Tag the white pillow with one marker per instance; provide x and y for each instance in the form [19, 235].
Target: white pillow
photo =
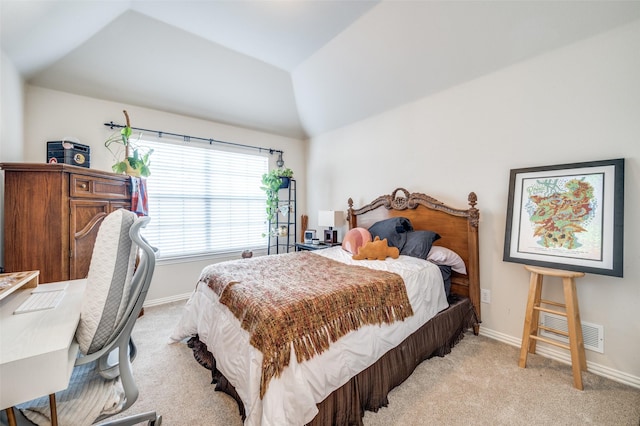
[444, 256]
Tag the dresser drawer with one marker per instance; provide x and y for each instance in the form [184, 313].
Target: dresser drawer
[83, 186]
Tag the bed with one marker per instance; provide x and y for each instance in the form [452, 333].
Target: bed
[331, 378]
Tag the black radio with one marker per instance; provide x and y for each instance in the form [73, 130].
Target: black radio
[67, 152]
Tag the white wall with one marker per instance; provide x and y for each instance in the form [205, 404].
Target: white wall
[578, 103]
[11, 125]
[11, 110]
[52, 115]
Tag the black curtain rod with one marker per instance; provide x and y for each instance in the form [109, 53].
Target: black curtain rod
[188, 138]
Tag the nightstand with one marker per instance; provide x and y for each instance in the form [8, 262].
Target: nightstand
[310, 247]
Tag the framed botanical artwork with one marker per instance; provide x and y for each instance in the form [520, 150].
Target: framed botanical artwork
[567, 216]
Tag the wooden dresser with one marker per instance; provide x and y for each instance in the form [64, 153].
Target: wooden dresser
[52, 213]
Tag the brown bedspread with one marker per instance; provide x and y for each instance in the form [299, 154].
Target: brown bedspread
[303, 299]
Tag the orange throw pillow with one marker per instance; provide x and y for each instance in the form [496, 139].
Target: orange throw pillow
[376, 250]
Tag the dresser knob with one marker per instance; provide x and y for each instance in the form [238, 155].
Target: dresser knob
[83, 185]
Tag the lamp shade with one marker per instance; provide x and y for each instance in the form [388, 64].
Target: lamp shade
[330, 218]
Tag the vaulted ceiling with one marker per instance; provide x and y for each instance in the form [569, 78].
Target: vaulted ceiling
[296, 68]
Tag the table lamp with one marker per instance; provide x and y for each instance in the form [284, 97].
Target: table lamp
[330, 218]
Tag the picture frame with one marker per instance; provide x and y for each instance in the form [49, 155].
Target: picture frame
[567, 216]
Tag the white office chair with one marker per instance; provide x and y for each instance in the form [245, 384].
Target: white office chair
[112, 303]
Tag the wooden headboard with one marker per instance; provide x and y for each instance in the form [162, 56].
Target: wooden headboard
[458, 230]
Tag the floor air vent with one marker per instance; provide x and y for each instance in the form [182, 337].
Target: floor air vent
[592, 334]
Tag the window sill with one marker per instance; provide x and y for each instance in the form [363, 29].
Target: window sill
[212, 257]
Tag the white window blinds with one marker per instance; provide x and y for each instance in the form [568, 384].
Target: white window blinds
[204, 201]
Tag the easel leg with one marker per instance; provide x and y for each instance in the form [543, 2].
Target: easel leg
[531, 319]
[576, 342]
[535, 315]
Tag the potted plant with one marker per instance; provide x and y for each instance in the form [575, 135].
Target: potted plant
[136, 159]
[272, 182]
[285, 177]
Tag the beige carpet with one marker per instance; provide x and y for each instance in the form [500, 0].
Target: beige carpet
[479, 383]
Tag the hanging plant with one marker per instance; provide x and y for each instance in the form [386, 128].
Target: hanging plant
[136, 159]
[271, 184]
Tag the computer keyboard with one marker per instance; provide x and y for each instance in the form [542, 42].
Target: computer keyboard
[38, 301]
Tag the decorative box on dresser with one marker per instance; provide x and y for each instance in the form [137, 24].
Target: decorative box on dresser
[52, 213]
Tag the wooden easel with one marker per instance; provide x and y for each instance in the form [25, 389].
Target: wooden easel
[571, 312]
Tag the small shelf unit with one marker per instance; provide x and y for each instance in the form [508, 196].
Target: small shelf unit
[283, 230]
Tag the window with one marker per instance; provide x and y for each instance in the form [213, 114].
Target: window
[204, 200]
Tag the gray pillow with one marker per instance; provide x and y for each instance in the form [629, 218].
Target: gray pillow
[393, 229]
[419, 243]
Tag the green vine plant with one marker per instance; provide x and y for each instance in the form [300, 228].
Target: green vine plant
[136, 159]
[271, 184]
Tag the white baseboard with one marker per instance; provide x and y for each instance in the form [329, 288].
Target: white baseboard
[565, 357]
[162, 301]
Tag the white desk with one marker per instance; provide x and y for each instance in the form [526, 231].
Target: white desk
[37, 350]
